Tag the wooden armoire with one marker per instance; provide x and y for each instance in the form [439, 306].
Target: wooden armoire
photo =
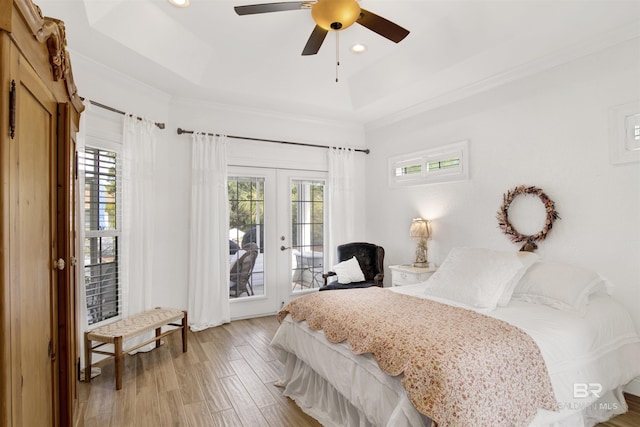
[39, 117]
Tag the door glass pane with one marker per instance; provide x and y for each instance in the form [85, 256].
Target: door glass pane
[307, 234]
[246, 236]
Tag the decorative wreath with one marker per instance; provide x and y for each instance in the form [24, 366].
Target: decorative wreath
[508, 229]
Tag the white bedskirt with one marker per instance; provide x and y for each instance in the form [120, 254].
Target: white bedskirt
[339, 388]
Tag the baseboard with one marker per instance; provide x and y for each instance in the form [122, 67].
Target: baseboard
[633, 387]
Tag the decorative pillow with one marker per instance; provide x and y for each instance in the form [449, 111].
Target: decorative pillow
[527, 259]
[349, 271]
[561, 286]
[474, 277]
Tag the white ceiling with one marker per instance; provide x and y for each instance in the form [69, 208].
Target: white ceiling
[208, 52]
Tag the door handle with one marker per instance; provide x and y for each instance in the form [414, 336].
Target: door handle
[283, 248]
[59, 264]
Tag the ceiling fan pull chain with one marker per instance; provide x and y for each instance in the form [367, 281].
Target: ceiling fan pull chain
[337, 53]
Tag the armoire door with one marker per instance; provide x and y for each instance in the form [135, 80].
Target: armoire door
[32, 236]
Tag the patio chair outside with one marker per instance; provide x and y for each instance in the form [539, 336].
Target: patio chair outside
[240, 273]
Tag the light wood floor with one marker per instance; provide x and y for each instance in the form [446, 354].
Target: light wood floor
[227, 378]
[630, 419]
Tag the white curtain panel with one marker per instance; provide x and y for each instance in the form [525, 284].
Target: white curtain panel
[138, 154]
[340, 199]
[209, 246]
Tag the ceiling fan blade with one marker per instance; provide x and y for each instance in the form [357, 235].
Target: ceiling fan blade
[382, 26]
[269, 7]
[315, 41]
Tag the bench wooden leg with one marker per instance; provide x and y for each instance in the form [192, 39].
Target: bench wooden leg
[158, 333]
[185, 326]
[87, 358]
[117, 344]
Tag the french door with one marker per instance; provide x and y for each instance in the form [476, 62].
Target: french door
[276, 237]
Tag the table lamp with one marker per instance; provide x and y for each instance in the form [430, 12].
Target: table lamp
[420, 231]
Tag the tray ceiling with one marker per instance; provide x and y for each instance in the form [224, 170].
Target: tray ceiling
[207, 52]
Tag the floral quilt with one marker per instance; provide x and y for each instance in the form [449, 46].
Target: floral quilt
[461, 368]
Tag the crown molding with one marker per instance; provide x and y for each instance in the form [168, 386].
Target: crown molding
[52, 33]
[269, 113]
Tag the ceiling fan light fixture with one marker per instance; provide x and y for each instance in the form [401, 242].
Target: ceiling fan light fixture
[331, 15]
[180, 3]
[335, 15]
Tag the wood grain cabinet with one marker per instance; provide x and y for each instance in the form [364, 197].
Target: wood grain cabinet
[39, 119]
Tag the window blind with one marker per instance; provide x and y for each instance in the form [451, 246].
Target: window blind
[101, 233]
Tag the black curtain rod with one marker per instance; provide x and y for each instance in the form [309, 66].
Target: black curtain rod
[106, 107]
[181, 131]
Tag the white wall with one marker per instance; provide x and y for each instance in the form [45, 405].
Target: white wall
[549, 130]
[173, 156]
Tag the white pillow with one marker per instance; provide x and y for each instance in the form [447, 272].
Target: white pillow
[527, 259]
[349, 271]
[474, 277]
[561, 286]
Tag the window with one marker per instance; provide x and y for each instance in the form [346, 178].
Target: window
[307, 231]
[246, 225]
[101, 233]
[408, 169]
[442, 164]
[624, 123]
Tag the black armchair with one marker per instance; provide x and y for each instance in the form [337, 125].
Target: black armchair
[371, 260]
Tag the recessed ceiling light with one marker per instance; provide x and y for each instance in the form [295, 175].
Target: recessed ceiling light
[358, 48]
[179, 3]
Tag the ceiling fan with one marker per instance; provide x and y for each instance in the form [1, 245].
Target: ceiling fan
[331, 15]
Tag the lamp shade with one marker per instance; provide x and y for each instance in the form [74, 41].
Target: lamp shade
[420, 229]
[335, 14]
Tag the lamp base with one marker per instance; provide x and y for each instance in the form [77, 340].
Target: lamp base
[421, 264]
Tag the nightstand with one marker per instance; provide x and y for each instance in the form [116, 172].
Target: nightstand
[406, 275]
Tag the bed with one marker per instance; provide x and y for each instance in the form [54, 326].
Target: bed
[336, 369]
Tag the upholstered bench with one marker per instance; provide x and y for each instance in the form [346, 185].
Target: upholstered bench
[115, 333]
